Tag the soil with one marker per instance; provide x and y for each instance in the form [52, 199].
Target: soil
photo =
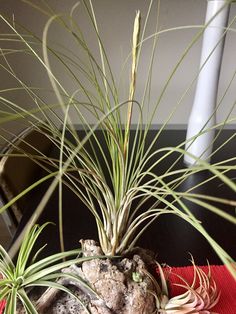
[123, 286]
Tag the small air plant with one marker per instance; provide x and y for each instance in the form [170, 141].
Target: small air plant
[200, 297]
[18, 280]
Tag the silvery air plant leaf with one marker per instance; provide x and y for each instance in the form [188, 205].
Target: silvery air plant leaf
[200, 297]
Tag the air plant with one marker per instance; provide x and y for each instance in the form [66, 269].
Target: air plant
[116, 179]
[17, 279]
[200, 297]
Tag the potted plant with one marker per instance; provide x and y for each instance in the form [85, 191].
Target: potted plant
[115, 180]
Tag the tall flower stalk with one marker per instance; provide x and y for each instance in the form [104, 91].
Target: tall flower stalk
[135, 46]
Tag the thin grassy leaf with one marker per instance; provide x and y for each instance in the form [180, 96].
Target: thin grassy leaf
[52, 259]
[11, 302]
[28, 305]
[70, 278]
[34, 276]
[62, 288]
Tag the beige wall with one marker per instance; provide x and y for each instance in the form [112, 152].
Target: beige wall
[115, 19]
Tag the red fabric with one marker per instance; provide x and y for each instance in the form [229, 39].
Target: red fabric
[2, 303]
[2, 306]
[225, 283]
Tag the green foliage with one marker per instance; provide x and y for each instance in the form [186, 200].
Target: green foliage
[20, 278]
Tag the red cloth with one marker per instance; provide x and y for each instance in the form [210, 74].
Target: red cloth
[225, 283]
[2, 306]
[2, 303]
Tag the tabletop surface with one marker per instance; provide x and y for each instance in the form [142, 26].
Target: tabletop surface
[171, 239]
